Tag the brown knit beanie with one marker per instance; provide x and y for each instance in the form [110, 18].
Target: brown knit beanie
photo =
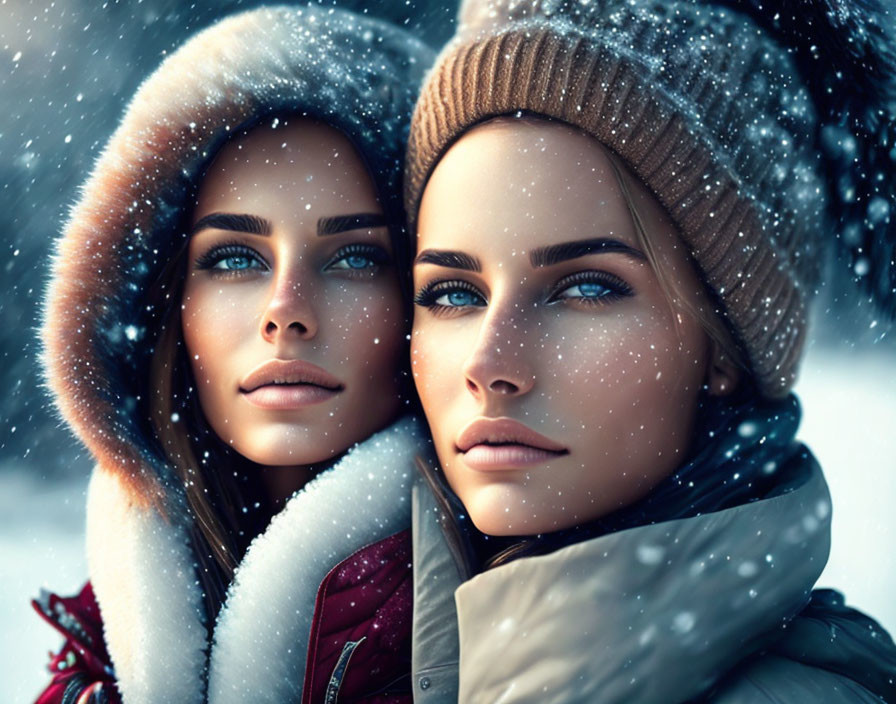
[700, 102]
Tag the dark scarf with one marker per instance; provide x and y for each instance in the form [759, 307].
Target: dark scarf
[744, 450]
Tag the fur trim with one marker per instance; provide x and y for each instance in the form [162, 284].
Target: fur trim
[152, 609]
[354, 72]
[142, 572]
[365, 499]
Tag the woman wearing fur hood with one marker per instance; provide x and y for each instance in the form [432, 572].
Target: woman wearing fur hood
[225, 331]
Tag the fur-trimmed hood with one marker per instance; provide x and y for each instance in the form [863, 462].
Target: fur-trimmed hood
[353, 72]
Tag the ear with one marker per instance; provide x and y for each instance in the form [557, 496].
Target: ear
[722, 374]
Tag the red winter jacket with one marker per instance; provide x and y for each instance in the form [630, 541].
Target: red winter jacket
[81, 670]
[359, 648]
[360, 642]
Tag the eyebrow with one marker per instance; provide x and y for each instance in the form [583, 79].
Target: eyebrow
[345, 223]
[448, 259]
[256, 225]
[556, 253]
[252, 224]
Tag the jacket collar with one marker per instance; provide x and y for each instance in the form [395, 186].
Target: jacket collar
[435, 654]
[687, 598]
[142, 570]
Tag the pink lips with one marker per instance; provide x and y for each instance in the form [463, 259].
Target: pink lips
[286, 384]
[503, 443]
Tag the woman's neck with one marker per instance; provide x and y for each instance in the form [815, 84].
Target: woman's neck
[279, 483]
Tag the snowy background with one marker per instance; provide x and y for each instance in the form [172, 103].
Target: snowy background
[67, 69]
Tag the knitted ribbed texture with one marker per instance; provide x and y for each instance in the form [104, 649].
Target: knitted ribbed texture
[707, 112]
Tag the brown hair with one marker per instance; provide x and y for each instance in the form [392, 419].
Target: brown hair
[193, 451]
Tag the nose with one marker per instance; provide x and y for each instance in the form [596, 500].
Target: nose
[500, 365]
[289, 313]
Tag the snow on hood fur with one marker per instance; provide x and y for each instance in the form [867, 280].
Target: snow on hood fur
[353, 72]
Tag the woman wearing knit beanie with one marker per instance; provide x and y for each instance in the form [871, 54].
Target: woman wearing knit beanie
[619, 210]
[225, 331]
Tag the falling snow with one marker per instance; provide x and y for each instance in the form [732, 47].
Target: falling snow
[69, 70]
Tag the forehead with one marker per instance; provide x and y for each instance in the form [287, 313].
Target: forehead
[522, 184]
[276, 170]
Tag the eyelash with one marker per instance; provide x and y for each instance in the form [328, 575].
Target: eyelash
[427, 296]
[615, 288]
[221, 252]
[377, 256]
[210, 260]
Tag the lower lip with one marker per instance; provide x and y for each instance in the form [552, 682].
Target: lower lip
[493, 457]
[287, 397]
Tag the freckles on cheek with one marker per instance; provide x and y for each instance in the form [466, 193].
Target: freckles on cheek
[596, 354]
[431, 368]
[214, 307]
[634, 351]
[213, 324]
[419, 359]
[368, 330]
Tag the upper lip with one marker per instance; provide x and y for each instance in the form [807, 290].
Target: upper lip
[503, 431]
[289, 371]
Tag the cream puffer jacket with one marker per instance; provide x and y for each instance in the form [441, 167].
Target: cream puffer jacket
[714, 608]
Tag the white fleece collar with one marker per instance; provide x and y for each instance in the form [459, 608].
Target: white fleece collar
[142, 573]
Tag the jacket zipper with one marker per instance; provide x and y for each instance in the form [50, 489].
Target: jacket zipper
[339, 671]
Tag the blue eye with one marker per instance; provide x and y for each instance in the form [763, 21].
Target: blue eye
[358, 257]
[235, 262]
[585, 290]
[449, 295]
[459, 298]
[353, 261]
[231, 259]
[591, 287]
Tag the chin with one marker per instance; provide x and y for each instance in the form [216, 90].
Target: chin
[285, 447]
[283, 458]
[504, 510]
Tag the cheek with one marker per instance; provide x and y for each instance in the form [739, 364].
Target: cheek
[365, 329]
[437, 357]
[215, 321]
[625, 373]
[646, 349]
